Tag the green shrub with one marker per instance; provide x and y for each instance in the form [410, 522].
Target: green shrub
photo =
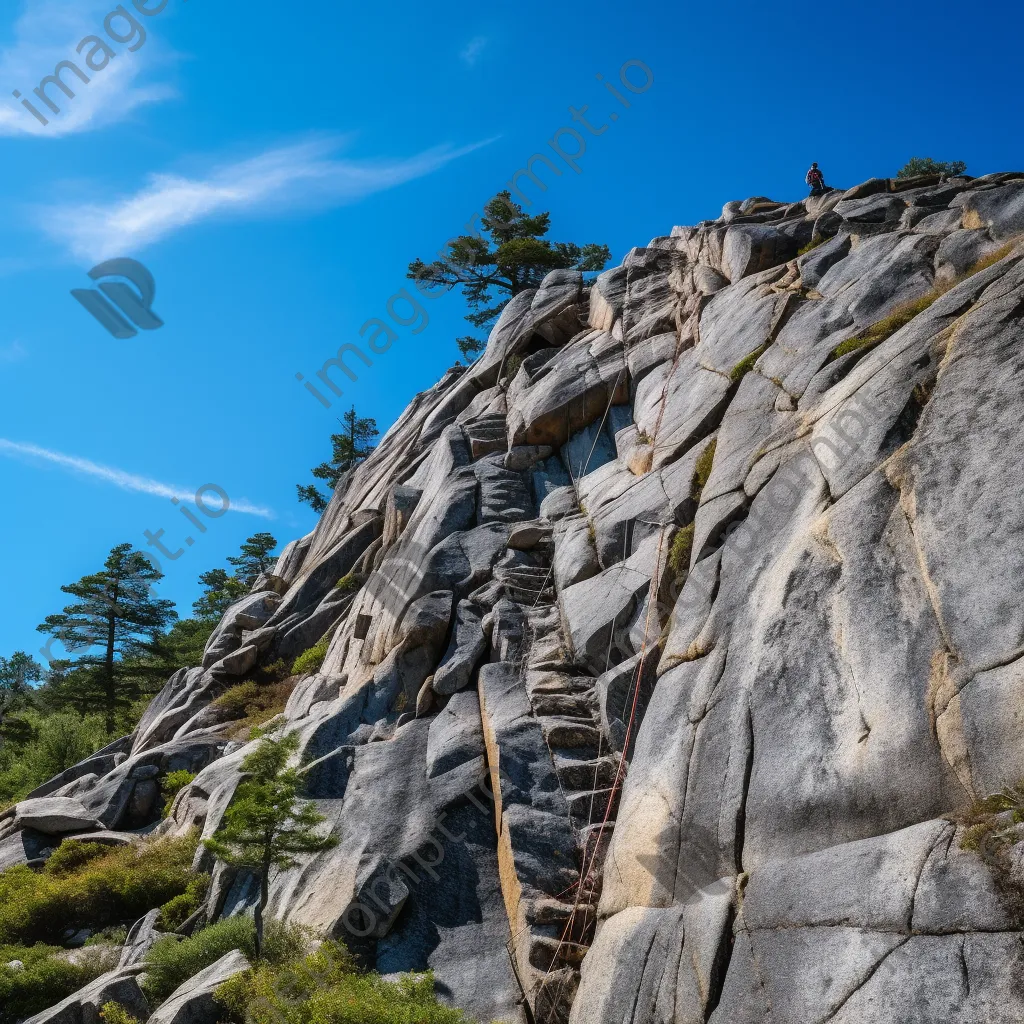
[746, 364]
[115, 887]
[812, 244]
[63, 740]
[72, 855]
[512, 366]
[178, 909]
[17, 779]
[37, 747]
[255, 705]
[326, 988]
[171, 961]
[236, 698]
[46, 978]
[115, 1013]
[887, 327]
[926, 165]
[115, 935]
[272, 673]
[349, 582]
[310, 661]
[173, 783]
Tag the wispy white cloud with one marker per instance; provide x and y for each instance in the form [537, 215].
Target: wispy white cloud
[473, 50]
[118, 477]
[12, 353]
[47, 32]
[277, 179]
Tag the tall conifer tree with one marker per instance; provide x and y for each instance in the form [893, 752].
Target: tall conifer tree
[113, 618]
[349, 448]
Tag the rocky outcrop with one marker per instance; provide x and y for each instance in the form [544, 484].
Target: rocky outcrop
[119, 986]
[679, 652]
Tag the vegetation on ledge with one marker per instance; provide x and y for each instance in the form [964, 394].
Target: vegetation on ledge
[90, 885]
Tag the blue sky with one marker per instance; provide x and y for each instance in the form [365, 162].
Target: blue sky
[276, 170]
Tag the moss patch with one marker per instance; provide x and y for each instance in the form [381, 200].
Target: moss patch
[885, 328]
[702, 470]
[746, 364]
[681, 550]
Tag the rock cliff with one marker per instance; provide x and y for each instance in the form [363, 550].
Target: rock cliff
[678, 634]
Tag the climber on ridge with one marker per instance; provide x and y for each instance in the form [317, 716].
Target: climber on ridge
[816, 180]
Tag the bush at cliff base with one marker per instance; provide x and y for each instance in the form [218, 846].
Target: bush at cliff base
[43, 975]
[89, 885]
[326, 988]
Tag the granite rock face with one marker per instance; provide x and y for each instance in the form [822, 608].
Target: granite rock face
[678, 656]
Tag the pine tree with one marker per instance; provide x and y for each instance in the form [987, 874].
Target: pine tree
[350, 447]
[255, 558]
[17, 674]
[222, 590]
[113, 613]
[267, 823]
[509, 256]
[926, 165]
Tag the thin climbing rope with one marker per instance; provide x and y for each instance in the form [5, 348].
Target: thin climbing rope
[587, 868]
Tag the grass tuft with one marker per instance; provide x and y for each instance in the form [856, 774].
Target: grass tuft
[173, 783]
[512, 366]
[992, 824]
[976, 268]
[812, 244]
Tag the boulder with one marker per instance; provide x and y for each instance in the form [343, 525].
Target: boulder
[83, 1007]
[54, 816]
[192, 1002]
